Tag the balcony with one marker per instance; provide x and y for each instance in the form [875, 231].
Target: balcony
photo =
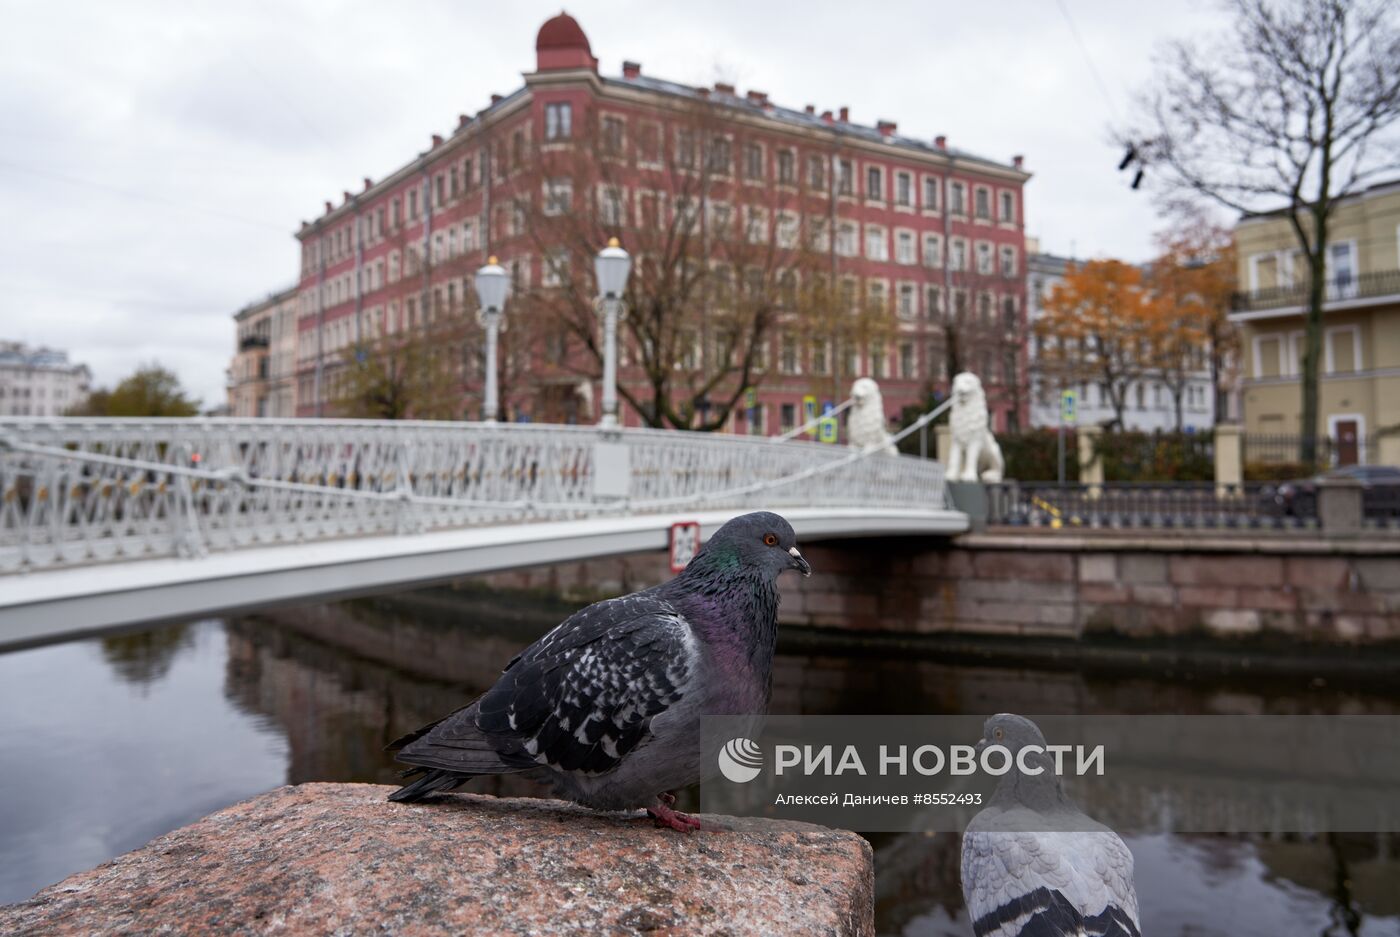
[1341, 289]
[249, 342]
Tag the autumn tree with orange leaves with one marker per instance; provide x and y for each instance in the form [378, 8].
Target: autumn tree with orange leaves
[1097, 327]
[1193, 278]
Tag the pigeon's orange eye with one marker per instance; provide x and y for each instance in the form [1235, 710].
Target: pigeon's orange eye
[771, 539]
[998, 733]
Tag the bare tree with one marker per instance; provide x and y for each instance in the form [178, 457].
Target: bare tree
[724, 256]
[1296, 106]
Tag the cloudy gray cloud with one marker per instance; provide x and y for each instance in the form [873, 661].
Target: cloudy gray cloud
[155, 158]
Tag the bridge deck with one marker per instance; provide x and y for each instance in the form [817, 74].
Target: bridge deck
[61, 603]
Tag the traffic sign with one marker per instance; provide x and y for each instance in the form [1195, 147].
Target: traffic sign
[685, 543]
[826, 429]
[750, 398]
[1069, 407]
[809, 411]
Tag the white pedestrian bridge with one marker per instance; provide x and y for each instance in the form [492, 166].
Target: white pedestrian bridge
[106, 523]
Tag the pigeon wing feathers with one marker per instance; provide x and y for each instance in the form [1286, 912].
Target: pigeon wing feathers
[584, 695]
[1022, 884]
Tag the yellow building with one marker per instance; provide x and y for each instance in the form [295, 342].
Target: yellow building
[1359, 382]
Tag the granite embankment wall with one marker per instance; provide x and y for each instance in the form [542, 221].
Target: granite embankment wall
[1061, 585]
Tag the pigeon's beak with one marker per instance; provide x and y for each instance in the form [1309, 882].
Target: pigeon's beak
[798, 563]
[981, 746]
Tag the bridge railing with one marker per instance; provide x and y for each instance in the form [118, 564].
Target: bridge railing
[77, 491]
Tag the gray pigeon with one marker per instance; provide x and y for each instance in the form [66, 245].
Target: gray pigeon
[1033, 865]
[607, 705]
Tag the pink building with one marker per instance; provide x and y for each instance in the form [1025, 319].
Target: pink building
[931, 233]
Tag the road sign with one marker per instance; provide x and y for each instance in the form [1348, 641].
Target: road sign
[826, 429]
[809, 411]
[685, 543]
[750, 398]
[1069, 407]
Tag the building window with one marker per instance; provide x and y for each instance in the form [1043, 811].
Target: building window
[904, 247]
[787, 359]
[816, 172]
[957, 255]
[718, 160]
[517, 149]
[556, 268]
[933, 250]
[612, 136]
[903, 189]
[930, 193]
[819, 363]
[756, 225]
[846, 239]
[787, 174]
[610, 205]
[933, 301]
[685, 149]
[984, 258]
[984, 204]
[845, 178]
[558, 196]
[906, 361]
[874, 183]
[876, 247]
[877, 360]
[957, 198]
[1008, 261]
[1008, 207]
[1008, 314]
[789, 416]
[649, 144]
[753, 161]
[907, 305]
[558, 121]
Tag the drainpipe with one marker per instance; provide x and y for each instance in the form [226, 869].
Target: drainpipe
[359, 271]
[427, 245]
[320, 317]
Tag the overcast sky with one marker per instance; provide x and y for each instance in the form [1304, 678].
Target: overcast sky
[156, 157]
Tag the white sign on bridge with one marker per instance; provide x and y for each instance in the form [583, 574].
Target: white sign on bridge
[685, 543]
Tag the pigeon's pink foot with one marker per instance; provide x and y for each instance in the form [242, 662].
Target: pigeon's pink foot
[664, 816]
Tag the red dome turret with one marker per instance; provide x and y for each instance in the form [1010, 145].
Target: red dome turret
[561, 43]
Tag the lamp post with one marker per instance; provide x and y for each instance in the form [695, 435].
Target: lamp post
[491, 286]
[612, 265]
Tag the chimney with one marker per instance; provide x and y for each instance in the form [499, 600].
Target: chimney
[886, 127]
[369, 183]
[631, 69]
[809, 109]
[437, 140]
[941, 142]
[1018, 160]
[462, 121]
[723, 88]
[347, 195]
[703, 92]
[758, 97]
[329, 207]
[496, 99]
[826, 116]
[845, 115]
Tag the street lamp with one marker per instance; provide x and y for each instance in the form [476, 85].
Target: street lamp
[491, 286]
[612, 266]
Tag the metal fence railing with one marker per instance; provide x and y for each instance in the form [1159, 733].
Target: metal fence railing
[1338, 289]
[1144, 505]
[1285, 449]
[1178, 505]
[76, 491]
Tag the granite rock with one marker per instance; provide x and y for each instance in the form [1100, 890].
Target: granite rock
[340, 859]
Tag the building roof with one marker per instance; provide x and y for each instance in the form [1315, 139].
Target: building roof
[561, 32]
[271, 299]
[1371, 191]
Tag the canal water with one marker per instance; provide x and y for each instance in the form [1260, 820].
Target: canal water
[106, 743]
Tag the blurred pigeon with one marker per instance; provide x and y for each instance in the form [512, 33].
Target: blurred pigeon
[1033, 865]
[608, 704]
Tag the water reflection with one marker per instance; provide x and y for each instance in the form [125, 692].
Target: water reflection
[219, 712]
[143, 657]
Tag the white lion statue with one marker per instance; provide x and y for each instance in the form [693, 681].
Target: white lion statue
[865, 427]
[974, 454]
